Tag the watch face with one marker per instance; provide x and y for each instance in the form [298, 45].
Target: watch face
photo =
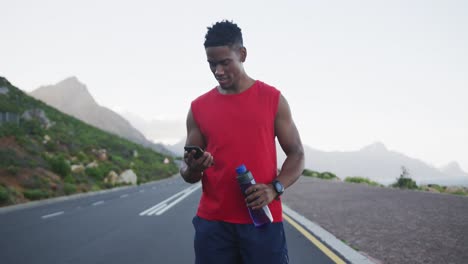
[279, 187]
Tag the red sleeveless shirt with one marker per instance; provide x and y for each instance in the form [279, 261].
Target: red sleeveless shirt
[238, 129]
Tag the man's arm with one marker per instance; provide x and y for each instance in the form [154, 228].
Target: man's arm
[290, 141]
[192, 169]
[260, 195]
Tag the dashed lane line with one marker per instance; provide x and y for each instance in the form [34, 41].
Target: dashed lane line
[52, 215]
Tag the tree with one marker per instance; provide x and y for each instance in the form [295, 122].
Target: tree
[405, 181]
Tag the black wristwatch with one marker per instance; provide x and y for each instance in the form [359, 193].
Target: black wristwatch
[279, 188]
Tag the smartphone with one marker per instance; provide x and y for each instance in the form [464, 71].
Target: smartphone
[199, 151]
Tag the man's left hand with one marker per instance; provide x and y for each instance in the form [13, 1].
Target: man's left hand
[259, 195]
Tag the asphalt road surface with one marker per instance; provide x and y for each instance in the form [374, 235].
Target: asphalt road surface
[151, 223]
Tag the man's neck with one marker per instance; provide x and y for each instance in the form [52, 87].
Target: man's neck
[243, 85]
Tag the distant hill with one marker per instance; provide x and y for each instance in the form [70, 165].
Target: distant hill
[454, 172]
[46, 153]
[161, 131]
[379, 164]
[375, 162]
[177, 148]
[72, 97]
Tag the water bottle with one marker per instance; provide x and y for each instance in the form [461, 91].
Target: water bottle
[245, 179]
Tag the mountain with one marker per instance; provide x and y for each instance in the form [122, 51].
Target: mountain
[379, 164]
[177, 148]
[455, 173]
[374, 161]
[163, 131]
[46, 153]
[72, 97]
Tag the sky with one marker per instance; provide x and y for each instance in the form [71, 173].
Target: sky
[353, 72]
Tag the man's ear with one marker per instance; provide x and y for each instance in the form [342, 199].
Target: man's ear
[243, 54]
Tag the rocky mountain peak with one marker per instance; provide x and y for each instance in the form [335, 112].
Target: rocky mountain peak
[452, 168]
[75, 89]
[375, 147]
[72, 97]
[64, 92]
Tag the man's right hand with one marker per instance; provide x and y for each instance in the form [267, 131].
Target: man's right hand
[194, 168]
[200, 164]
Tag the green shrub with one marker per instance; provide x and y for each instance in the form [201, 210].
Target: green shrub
[321, 175]
[69, 179]
[82, 157]
[311, 173]
[69, 188]
[4, 195]
[405, 183]
[8, 158]
[93, 172]
[32, 182]
[33, 127]
[327, 175]
[32, 163]
[362, 180]
[13, 195]
[51, 146]
[100, 172]
[106, 185]
[35, 194]
[438, 187]
[13, 170]
[60, 166]
[10, 129]
[120, 162]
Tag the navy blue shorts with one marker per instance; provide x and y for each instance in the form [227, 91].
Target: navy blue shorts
[226, 243]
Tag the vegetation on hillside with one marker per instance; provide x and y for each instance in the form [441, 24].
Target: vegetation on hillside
[37, 154]
[403, 182]
[321, 175]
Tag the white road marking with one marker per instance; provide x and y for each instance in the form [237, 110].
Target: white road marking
[52, 215]
[123, 195]
[163, 206]
[98, 203]
[142, 191]
[156, 208]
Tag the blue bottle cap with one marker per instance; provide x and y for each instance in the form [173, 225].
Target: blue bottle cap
[241, 169]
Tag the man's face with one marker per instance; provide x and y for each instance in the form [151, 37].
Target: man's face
[226, 65]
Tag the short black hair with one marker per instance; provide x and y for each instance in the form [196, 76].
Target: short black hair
[224, 33]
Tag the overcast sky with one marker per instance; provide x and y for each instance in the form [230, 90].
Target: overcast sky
[354, 72]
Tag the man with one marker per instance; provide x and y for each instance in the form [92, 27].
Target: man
[236, 123]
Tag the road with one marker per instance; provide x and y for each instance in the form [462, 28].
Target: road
[389, 224]
[150, 223]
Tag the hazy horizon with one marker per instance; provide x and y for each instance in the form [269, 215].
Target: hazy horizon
[391, 72]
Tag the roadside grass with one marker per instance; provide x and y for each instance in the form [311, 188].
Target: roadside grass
[321, 175]
[362, 181]
[403, 182]
[455, 190]
[350, 245]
